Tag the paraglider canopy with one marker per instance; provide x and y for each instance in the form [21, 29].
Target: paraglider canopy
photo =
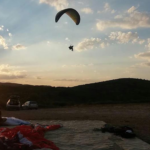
[72, 13]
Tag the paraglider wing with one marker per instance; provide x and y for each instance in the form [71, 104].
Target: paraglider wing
[72, 13]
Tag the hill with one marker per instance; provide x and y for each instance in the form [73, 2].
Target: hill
[125, 90]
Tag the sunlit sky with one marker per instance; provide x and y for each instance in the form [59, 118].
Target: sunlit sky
[112, 41]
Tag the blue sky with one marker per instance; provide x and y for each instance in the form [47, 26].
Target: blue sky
[112, 41]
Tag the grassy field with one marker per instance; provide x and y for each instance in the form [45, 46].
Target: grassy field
[133, 115]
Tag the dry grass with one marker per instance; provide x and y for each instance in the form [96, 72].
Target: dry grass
[134, 115]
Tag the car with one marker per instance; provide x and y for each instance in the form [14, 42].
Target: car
[30, 105]
[13, 103]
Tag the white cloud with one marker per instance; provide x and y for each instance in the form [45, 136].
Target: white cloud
[113, 11]
[10, 72]
[144, 55]
[87, 10]
[3, 43]
[18, 47]
[118, 16]
[92, 43]
[7, 30]
[58, 4]
[122, 37]
[67, 39]
[147, 64]
[10, 34]
[148, 43]
[88, 44]
[107, 8]
[1, 28]
[131, 20]
[131, 10]
[102, 45]
[141, 41]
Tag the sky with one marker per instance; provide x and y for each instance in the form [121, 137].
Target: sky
[112, 41]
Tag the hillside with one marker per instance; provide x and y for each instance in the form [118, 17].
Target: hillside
[127, 90]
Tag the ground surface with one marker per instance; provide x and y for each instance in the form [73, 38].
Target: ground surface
[134, 115]
[79, 135]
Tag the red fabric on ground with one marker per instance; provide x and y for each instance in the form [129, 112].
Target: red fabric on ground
[35, 135]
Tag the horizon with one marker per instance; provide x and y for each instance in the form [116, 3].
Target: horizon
[75, 85]
[111, 42]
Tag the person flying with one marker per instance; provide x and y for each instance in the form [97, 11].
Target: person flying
[71, 47]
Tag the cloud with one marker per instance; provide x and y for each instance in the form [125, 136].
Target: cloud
[18, 47]
[9, 72]
[3, 43]
[103, 44]
[148, 43]
[122, 37]
[67, 39]
[147, 64]
[131, 10]
[141, 41]
[1, 28]
[87, 10]
[88, 44]
[10, 34]
[107, 8]
[130, 20]
[119, 37]
[113, 11]
[57, 4]
[144, 55]
[72, 80]
[118, 16]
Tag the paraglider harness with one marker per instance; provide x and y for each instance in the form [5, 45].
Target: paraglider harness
[71, 47]
[123, 131]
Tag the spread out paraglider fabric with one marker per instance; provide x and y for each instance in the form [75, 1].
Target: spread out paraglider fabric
[72, 13]
[26, 137]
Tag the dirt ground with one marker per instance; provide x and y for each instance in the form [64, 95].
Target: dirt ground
[136, 116]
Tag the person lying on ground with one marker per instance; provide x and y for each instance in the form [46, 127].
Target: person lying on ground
[12, 121]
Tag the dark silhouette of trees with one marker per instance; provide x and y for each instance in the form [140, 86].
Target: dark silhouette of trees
[126, 90]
